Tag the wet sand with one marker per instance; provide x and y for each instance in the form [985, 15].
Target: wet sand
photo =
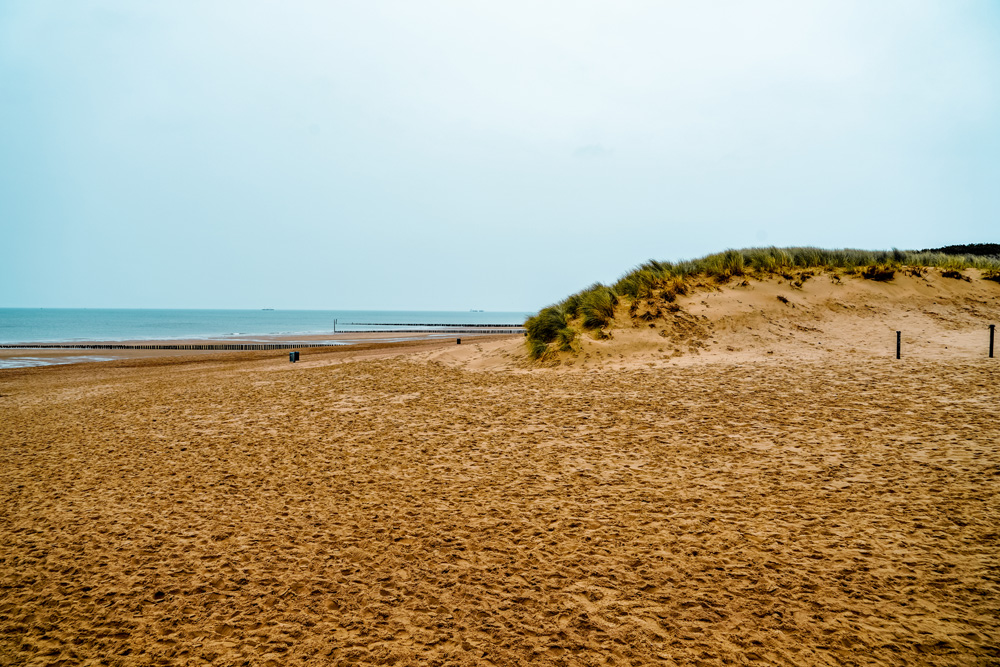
[26, 356]
[399, 506]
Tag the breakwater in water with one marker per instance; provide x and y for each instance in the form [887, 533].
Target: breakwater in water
[242, 346]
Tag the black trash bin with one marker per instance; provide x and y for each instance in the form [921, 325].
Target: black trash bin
[293, 356]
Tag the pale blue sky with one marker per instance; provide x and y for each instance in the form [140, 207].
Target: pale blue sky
[456, 155]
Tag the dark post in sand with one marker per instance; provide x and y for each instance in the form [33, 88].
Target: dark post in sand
[898, 334]
[992, 330]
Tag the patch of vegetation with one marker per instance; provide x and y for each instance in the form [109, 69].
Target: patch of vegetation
[597, 306]
[593, 308]
[565, 338]
[879, 272]
[644, 280]
[544, 328]
[957, 275]
[545, 325]
[672, 288]
[801, 280]
[537, 349]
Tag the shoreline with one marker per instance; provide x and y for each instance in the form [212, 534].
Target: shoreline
[338, 337]
[35, 355]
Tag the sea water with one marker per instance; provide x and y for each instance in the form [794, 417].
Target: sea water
[74, 325]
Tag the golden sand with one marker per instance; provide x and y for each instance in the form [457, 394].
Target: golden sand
[452, 506]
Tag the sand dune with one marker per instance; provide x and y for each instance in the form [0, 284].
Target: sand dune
[454, 505]
[823, 317]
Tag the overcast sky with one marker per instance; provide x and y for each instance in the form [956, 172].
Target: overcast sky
[456, 155]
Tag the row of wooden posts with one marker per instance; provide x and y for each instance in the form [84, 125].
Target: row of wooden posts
[899, 341]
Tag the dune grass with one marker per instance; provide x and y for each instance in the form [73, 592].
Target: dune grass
[594, 307]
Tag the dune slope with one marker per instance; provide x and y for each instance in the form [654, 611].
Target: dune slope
[753, 319]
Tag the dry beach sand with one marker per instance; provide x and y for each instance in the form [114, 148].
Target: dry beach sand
[777, 503]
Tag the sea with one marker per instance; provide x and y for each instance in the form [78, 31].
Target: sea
[75, 325]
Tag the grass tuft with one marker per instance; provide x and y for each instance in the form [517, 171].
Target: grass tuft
[545, 326]
[597, 306]
[733, 263]
[565, 337]
[673, 288]
[957, 275]
[537, 349]
[880, 272]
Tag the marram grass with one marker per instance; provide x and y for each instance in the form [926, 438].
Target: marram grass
[594, 307]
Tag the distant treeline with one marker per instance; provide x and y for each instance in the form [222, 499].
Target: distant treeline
[977, 249]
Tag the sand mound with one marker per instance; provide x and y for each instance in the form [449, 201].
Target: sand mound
[807, 315]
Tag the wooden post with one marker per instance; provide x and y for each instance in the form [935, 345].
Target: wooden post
[992, 330]
[458, 341]
[898, 334]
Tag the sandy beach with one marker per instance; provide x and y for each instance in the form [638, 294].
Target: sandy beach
[499, 334]
[453, 505]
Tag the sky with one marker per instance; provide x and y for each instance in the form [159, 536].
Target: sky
[429, 155]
